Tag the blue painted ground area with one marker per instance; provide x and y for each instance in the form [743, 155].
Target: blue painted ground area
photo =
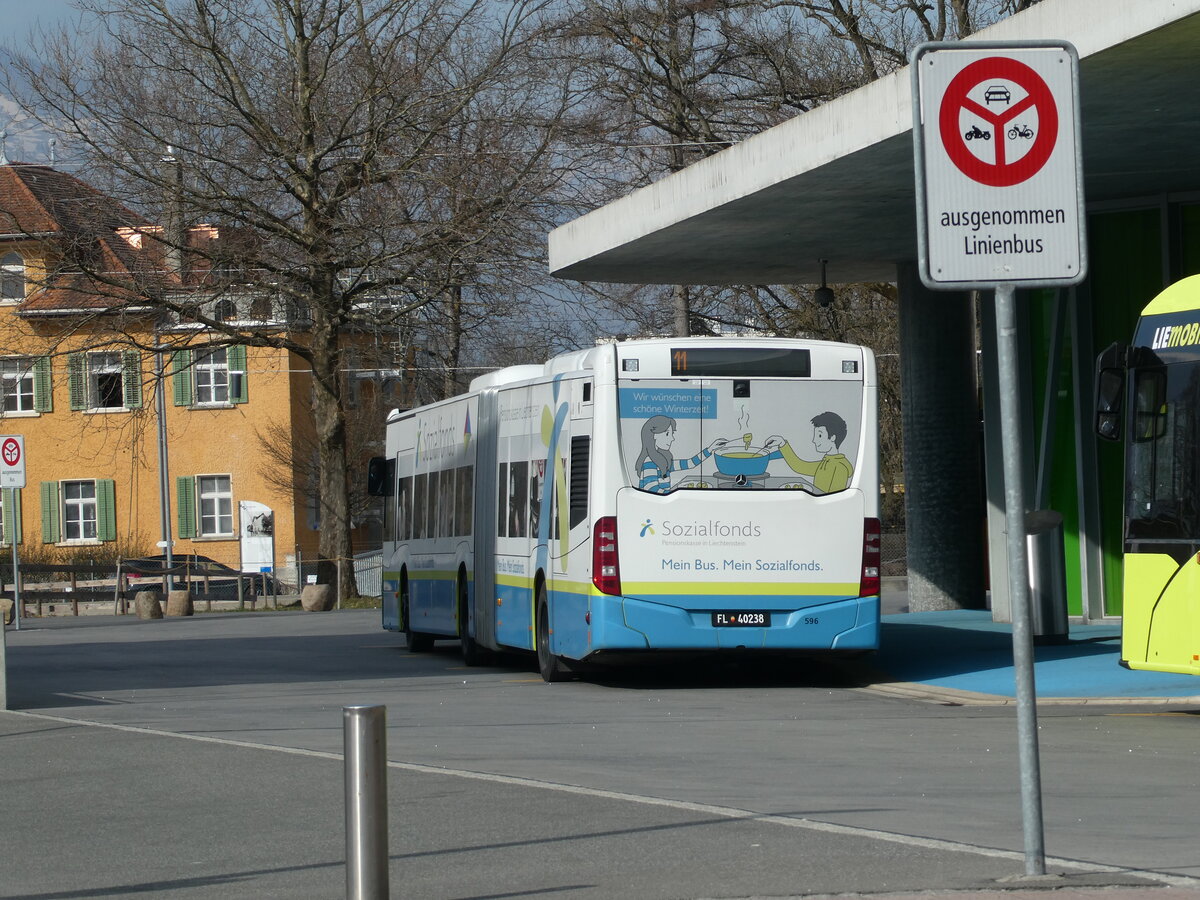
[967, 651]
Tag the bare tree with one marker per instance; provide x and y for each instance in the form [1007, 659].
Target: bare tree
[322, 137]
[677, 80]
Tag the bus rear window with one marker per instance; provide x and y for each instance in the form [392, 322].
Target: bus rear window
[737, 433]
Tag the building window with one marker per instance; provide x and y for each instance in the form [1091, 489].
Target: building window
[16, 385]
[225, 311]
[205, 506]
[216, 505]
[105, 377]
[78, 511]
[12, 277]
[105, 381]
[210, 377]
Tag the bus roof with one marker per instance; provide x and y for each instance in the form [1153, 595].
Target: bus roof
[588, 358]
[1182, 296]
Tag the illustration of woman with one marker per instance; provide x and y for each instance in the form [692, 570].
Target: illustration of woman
[655, 464]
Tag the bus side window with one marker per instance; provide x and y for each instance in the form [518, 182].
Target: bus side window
[502, 501]
[1150, 405]
[404, 516]
[466, 493]
[420, 497]
[431, 505]
[518, 498]
[446, 519]
[581, 448]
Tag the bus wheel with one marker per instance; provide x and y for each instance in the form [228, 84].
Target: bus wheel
[552, 667]
[417, 642]
[472, 653]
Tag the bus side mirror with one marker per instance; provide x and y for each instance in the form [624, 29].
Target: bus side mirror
[1110, 392]
[380, 476]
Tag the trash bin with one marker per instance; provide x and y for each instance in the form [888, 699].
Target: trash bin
[1047, 576]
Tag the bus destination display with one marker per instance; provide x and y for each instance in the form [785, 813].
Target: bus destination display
[735, 362]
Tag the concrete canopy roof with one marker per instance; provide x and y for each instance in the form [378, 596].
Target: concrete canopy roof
[837, 183]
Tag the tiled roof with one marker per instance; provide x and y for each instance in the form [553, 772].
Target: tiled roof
[41, 203]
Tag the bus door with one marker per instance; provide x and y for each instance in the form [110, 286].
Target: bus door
[518, 417]
[486, 492]
[571, 487]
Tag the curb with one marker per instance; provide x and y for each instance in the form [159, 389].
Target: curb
[911, 690]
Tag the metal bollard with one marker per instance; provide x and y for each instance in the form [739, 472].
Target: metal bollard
[364, 732]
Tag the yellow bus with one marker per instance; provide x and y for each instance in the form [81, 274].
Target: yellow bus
[1148, 394]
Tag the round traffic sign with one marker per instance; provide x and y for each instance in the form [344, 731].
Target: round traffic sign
[11, 452]
[988, 96]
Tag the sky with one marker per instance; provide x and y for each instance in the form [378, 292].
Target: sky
[22, 15]
[23, 140]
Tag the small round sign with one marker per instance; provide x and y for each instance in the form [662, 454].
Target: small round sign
[998, 121]
[11, 452]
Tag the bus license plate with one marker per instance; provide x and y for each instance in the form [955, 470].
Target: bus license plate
[741, 618]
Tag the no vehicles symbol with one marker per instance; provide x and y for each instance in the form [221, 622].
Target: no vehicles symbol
[998, 121]
[11, 451]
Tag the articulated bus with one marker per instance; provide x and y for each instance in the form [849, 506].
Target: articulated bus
[1149, 393]
[667, 494]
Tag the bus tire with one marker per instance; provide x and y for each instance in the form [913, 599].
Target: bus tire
[416, 641]
[551, 666]
[473, 654]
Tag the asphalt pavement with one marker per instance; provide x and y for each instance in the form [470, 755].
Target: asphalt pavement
[202, 758]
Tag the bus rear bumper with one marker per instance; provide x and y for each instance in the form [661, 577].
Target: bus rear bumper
[836, 623]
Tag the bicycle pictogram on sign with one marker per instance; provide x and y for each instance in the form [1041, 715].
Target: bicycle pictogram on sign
[982, 95]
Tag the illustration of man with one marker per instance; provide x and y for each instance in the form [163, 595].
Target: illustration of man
[830, 473]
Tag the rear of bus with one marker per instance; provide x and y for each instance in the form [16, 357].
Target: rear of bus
[745, 513]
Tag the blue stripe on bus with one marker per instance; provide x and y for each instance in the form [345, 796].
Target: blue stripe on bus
[584, 623]
[627, 623]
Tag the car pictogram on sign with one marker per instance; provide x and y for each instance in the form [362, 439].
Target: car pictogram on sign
[997, 92]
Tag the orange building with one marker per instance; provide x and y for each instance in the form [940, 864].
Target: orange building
[80, 381]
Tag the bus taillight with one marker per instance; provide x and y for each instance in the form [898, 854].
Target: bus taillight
[606, 571]
[868, 585]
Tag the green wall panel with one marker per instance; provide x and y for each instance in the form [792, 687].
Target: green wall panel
[1125, 250]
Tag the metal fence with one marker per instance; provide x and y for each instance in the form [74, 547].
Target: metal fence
[368, 573]
[894, 552]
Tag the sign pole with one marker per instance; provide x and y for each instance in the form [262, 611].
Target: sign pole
[1000, 205]
[17, 611]
[1018, 581]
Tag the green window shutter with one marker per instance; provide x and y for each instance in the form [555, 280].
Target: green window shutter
[185, 505]
[239, 390]
[106, 510]
[132, 375]
[43, 385]
[77, 379]
[17, 530]
[50, 530]
[181, 366]
[6, 500]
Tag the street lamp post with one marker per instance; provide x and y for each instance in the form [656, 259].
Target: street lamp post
[164, 484]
